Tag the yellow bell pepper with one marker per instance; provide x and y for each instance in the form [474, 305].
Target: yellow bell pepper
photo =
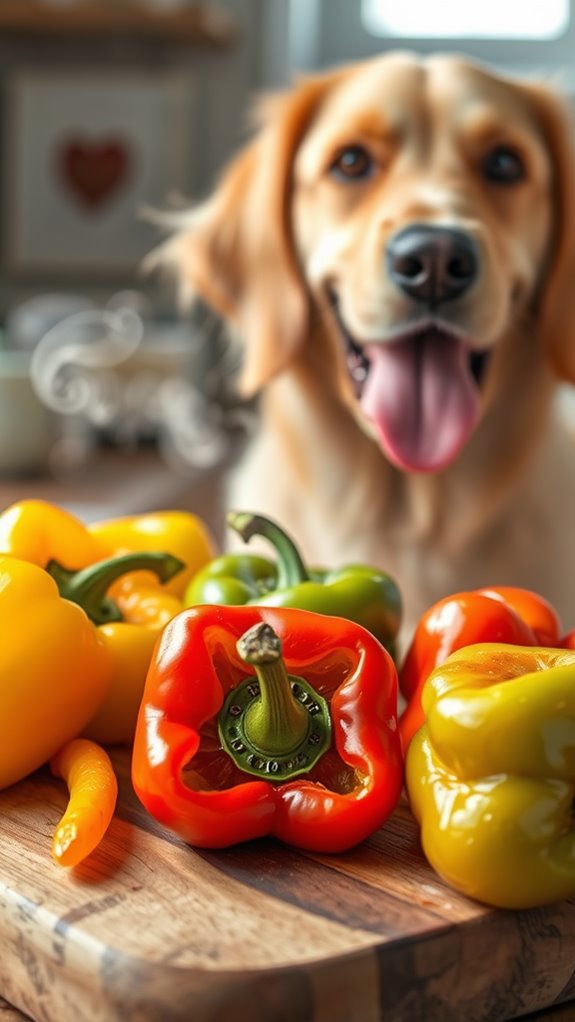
[491, 774]
[131, 643]
[181, 533]
[125, 599]
[55, 669]
[129, 625]
[37, 531]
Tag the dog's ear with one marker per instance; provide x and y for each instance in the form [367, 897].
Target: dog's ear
[557, 307]
[236, 250]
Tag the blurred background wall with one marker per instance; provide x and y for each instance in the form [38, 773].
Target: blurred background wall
[109, 107]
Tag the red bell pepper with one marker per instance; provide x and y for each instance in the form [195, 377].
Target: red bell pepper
[501, 614]
[568, 640]
[231, 747]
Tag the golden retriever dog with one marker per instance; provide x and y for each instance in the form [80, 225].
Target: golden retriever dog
[396, 251]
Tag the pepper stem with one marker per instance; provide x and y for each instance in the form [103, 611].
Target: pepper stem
[275, 723]
[291, 568]
[274, 726]
[89, 586]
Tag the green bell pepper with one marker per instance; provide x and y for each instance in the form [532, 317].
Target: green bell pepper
[356, 591]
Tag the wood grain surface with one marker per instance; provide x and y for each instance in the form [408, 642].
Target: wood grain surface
[150, 930]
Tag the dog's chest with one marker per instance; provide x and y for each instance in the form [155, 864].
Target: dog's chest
[342, 503]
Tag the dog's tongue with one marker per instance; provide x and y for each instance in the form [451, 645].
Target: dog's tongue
[422, 399]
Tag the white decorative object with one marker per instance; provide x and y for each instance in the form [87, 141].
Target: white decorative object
[86, 152]
[27, 428]
[113, 370]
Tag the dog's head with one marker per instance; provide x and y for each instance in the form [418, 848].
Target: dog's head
[419, 209]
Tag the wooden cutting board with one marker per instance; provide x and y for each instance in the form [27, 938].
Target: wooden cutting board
[149, 930]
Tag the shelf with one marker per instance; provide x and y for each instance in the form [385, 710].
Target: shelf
[202, 24]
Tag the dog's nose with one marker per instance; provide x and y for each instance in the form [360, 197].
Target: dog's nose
[432, 264]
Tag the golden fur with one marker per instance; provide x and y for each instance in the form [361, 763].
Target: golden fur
[280, 235]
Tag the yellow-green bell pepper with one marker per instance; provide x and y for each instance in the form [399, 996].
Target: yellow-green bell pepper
[491, 774]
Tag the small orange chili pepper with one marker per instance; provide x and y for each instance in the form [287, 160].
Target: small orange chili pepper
[88, 772]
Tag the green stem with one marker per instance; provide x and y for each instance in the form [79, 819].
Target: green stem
[275, 726]
[291, 568]
[89, 586]
[276, 722]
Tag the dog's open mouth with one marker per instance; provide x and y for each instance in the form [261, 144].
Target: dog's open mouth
[420, 392]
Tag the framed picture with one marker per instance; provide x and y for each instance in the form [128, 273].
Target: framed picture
[86, 151]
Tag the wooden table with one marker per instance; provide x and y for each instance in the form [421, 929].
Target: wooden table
[150, 930]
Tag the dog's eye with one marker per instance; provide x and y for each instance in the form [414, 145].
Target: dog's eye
[503, 166]
[353, 162]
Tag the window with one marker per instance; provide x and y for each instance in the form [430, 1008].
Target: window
[454, 19]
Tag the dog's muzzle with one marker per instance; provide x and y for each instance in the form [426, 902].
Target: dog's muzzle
[420, 392]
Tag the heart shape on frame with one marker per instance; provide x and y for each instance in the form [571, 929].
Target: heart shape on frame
[93, 171]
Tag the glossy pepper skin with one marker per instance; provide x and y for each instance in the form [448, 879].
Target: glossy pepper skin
[55, 669]
[38, 531]
[491, 774]
[128, 625]
[183, 773]
[56, 540]
[89, 775]
[356, 591]
[501, 614]
[180, 533]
